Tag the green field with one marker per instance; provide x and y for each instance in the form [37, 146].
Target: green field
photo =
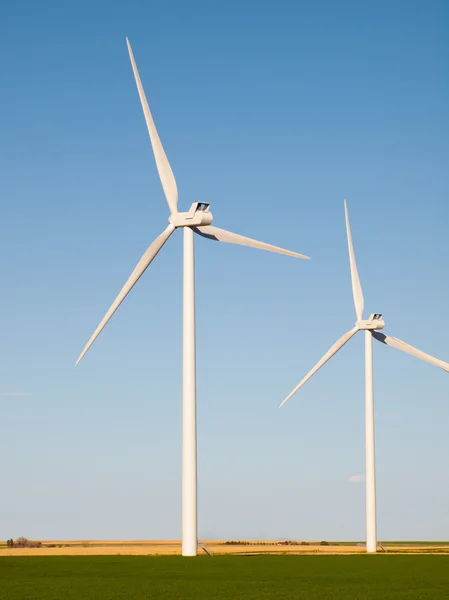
[225, 577]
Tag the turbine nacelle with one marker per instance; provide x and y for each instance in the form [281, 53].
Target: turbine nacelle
[374, 322]
[197, 216]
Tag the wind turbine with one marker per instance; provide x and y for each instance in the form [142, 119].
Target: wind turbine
[197, 220]
[371, 328]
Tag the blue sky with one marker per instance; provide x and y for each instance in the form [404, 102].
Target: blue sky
[274, 113]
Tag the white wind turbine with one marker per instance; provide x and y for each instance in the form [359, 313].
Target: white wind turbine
[371, 327]
[197, 220]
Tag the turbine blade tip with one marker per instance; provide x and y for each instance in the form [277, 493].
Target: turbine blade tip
[80, 358]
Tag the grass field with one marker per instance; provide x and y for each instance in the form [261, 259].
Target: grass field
[225, 577]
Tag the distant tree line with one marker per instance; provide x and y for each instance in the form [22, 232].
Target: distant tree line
[284, 543]
[22, 542]
[255, 543]
[246, 543]
[293, 543]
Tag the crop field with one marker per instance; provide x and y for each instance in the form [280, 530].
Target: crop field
[215, 547]
[224, 577]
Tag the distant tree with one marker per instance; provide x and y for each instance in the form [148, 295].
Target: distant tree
[22, 542]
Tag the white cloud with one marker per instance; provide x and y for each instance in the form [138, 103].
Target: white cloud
[356, 479]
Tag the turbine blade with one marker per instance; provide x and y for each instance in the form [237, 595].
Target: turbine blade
[400, 345]
[141, 267]
[356, 287]
[329, 354]
[221, 235]
[163, 166]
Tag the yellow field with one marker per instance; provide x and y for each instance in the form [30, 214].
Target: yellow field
[155, 547]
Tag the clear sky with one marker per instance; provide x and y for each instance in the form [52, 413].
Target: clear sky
[273, 112]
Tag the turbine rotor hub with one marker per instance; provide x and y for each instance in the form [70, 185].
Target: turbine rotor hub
[197, 216]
